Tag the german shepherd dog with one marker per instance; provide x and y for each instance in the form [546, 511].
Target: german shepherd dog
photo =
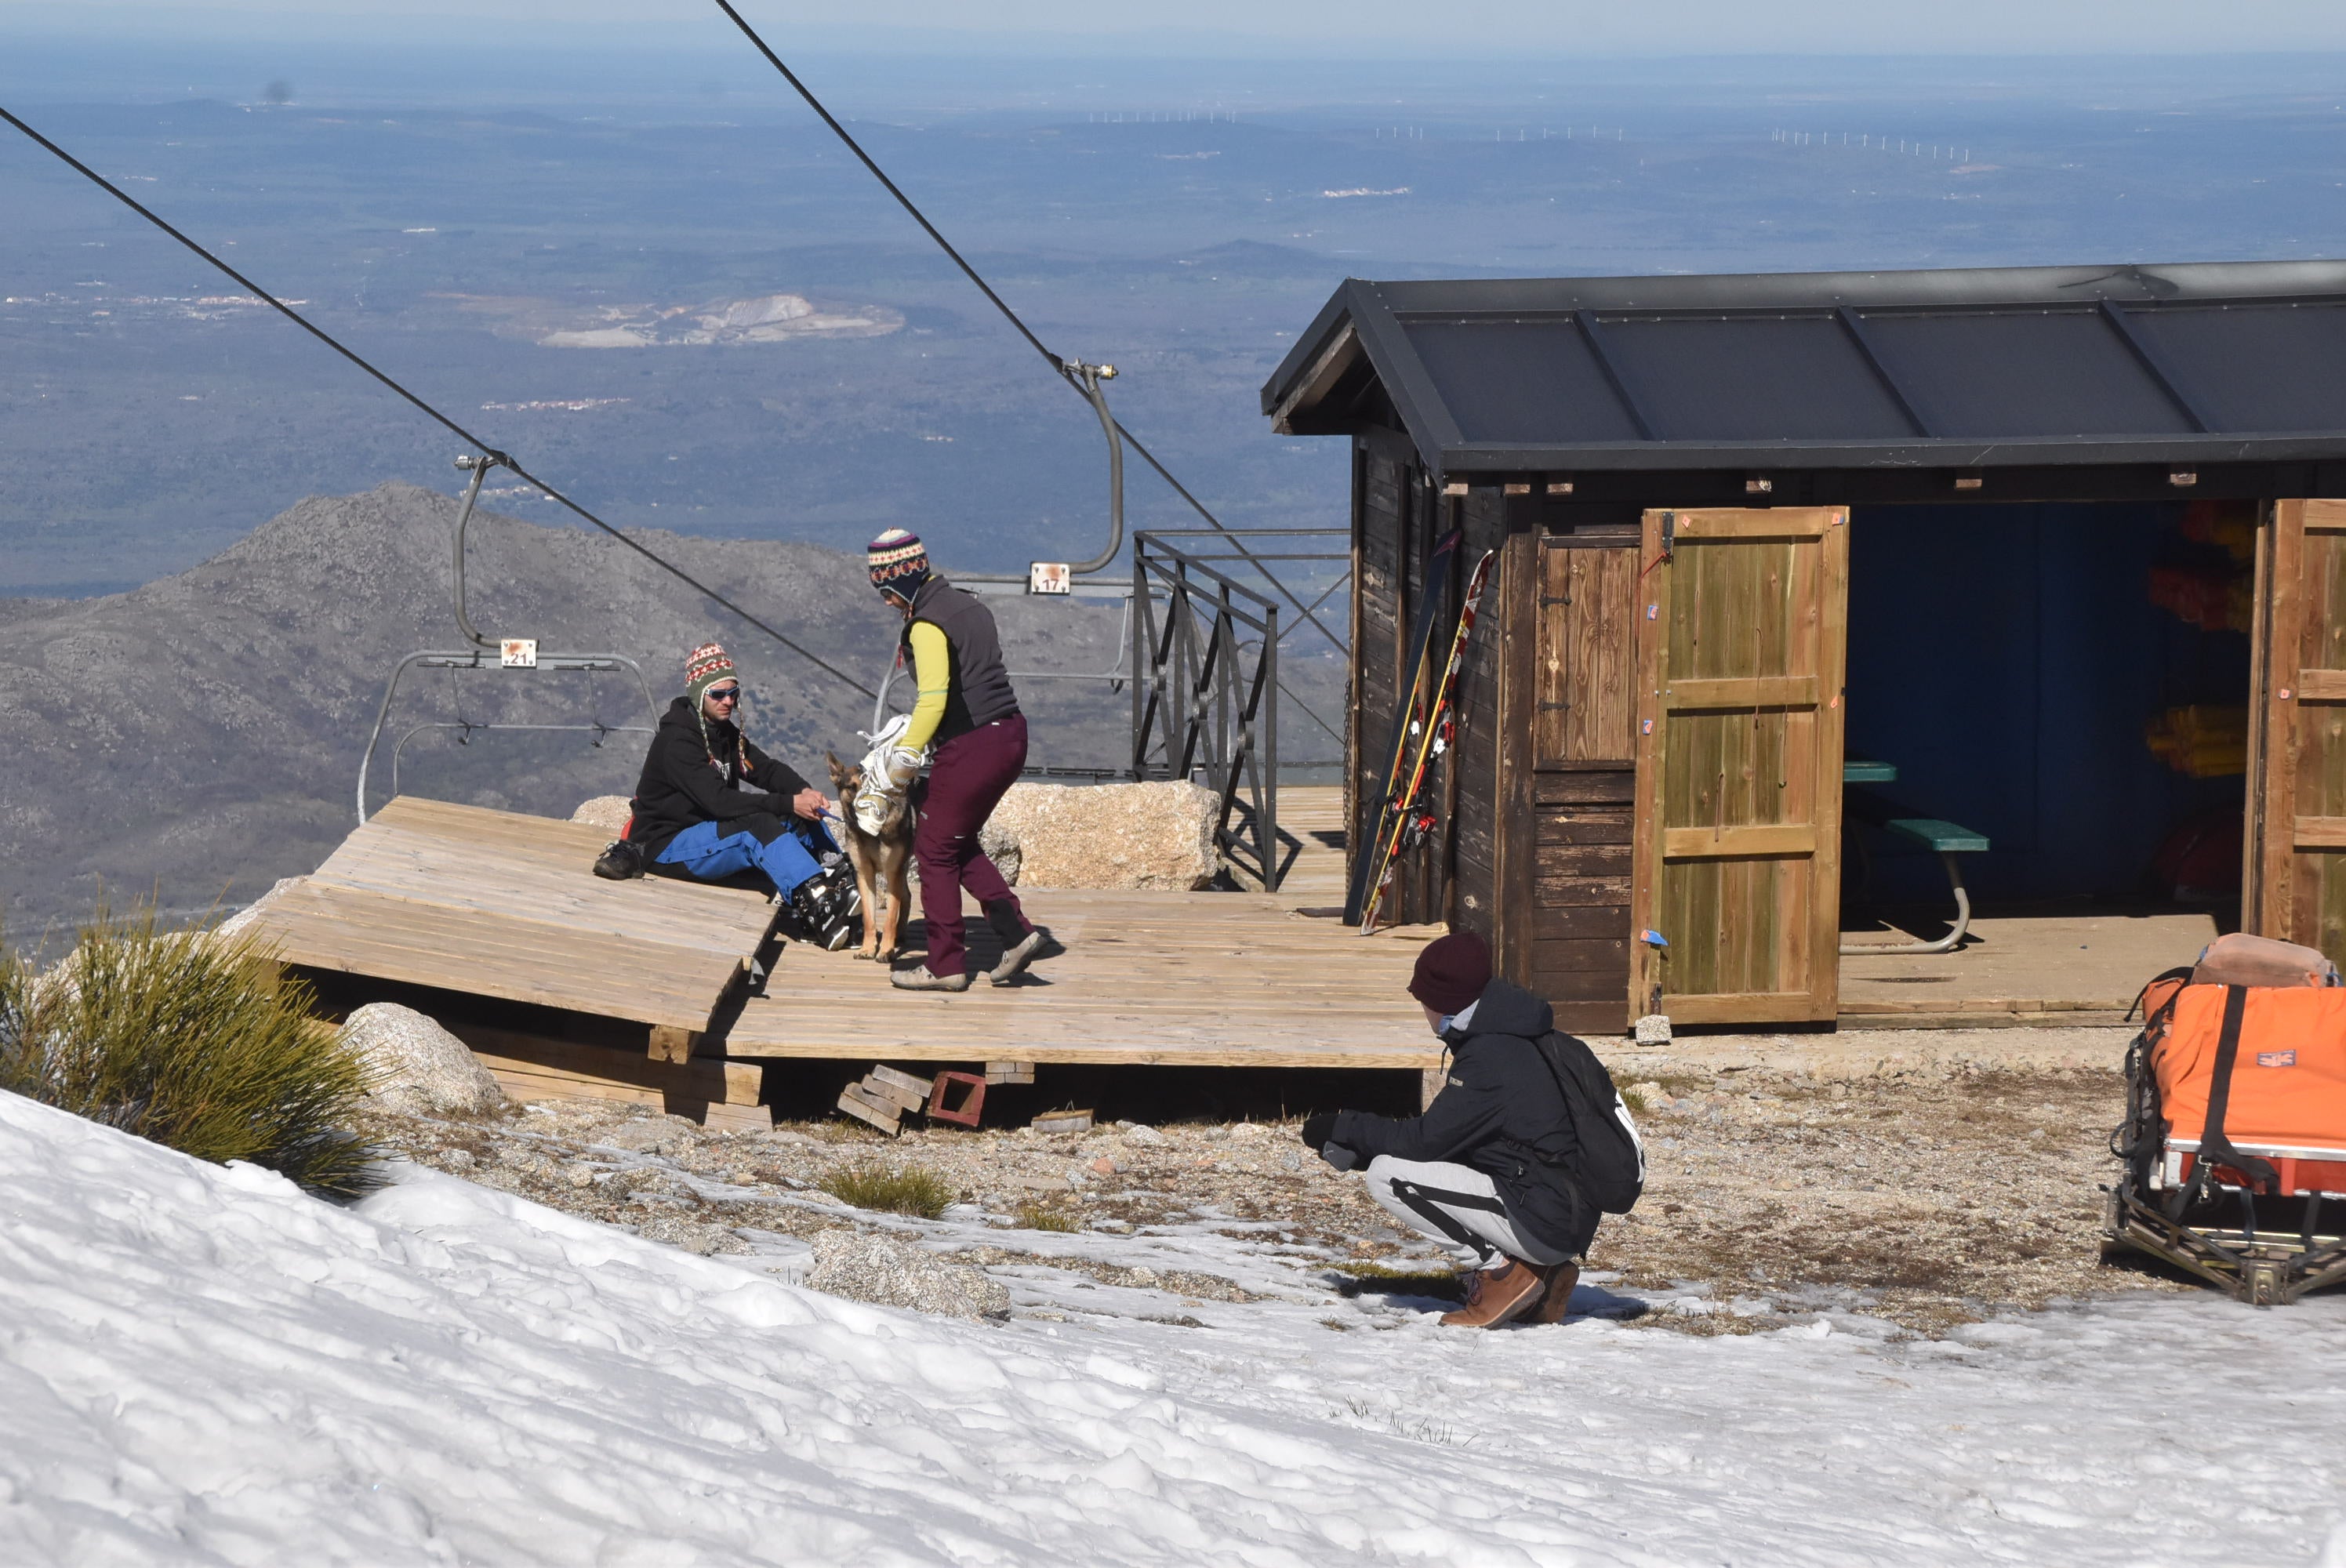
[882, 857]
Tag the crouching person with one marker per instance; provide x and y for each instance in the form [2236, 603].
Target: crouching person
[710, 805]
[1511, 1166]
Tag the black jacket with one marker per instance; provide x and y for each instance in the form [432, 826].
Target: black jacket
[680, 785]
[980, 692]
[1502, 1113]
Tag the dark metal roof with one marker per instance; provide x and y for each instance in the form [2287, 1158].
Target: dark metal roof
[2210, 363]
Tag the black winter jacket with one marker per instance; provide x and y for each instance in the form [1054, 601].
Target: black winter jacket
[680, 785]
[1501, 1113]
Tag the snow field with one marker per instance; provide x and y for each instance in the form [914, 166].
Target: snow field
[203, 1366]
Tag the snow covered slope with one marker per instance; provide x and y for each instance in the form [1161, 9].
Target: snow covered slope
[201, 1366]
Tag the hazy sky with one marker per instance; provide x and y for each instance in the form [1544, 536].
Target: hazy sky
[1445, 27]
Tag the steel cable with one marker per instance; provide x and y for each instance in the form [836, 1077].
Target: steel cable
[491, 452]
[1057, 364]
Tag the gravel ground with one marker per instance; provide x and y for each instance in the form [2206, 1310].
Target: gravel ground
[1925, 1178]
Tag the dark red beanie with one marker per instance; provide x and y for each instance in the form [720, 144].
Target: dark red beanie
[1452, 972]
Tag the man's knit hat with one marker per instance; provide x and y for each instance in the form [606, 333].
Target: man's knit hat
[899, 562]
[704, 666]
[1452, 972]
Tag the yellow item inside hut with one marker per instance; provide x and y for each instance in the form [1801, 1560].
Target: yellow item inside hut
[2201, 741]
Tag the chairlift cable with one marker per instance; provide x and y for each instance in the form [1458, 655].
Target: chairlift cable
[486, 451]
[1056, 364]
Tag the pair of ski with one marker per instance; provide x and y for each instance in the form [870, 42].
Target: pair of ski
[1425, 724]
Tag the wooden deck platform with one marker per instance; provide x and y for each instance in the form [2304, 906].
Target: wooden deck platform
[493, 904]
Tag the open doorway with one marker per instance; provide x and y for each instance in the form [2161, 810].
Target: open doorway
[2069, 682]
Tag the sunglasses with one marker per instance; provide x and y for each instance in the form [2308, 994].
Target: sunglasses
[724, 693]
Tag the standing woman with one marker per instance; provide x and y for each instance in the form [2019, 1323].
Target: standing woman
[968, 712]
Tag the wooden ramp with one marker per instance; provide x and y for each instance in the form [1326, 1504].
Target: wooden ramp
[1206, 980]
[493, 904]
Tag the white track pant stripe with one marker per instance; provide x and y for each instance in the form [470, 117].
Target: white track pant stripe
[1457, 1206]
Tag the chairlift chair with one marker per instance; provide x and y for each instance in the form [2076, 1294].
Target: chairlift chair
[492, 653]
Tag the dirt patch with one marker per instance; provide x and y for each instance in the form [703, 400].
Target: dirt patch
[1928, 1198]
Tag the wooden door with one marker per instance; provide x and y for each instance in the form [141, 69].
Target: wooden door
[1741, 634]
[2296, 871]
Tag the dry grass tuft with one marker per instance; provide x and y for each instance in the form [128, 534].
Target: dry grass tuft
[897, 1189]
[1046, 1217]
[188, 1040]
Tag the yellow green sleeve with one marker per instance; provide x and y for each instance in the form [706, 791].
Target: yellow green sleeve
[932, 673]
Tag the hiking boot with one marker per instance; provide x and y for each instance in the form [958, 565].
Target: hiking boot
[1496, 1295]
[921, 979]
[1014, 960]
[1556, 1294]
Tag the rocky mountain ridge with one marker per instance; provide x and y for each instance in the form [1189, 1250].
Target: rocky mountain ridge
[199, 737]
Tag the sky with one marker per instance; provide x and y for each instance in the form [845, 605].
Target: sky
[1454, 29]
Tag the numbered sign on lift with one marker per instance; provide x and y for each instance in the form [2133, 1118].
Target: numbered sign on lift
[1048, 577]
[517, 653]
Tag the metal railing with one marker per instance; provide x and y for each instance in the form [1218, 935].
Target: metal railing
[1206, 696]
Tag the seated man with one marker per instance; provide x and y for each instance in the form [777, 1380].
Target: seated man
[1490, 1168]
[712, 805]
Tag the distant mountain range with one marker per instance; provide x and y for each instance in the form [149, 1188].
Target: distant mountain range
[198, 738]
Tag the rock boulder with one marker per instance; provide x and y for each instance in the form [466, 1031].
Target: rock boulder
[866, 1266]
[1157, 836]
[419, 1068]
[608, 812]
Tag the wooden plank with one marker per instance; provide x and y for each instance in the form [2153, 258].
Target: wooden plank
[1584, 825]
[1742, 692]
[881, 1113]
[1605, 786]
[670, 1044]
[1009, 1073]
[1764, 839]
[1741, 523]
[1578, 921]
[2321, 833]
[593, 1067]
[1583, 860]
[1742, 1007]
[2321, 686]
[1514, 847]
[518, 960]
[1610, 1017]
[738, 1119]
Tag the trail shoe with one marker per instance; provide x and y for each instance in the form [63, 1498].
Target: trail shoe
[1014, 960]
[1555, 1295]
[921, 979]
[620, 862]
[1496, 1295]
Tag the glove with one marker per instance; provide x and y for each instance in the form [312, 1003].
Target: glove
[1319, 1135]
[890, 772]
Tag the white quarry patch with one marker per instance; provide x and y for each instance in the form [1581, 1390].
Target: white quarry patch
[765, 319]
[200, 1365]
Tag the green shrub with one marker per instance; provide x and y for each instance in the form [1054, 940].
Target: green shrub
[190, 1040]
[907, 1189]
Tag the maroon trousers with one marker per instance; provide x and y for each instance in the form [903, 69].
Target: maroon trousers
[966, 781]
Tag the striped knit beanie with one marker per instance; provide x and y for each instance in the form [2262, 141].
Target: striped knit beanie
[704, 666]
[899, 563]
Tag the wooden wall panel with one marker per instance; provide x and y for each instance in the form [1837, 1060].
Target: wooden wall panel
[2299, 877]
[1587, 711]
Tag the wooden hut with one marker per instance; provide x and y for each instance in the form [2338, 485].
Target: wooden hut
[1994, 527]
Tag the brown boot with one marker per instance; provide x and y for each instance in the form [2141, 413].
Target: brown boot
[1496, 1296]
[1555, 1298]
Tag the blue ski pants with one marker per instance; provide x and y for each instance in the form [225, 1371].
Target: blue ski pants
[707, 850]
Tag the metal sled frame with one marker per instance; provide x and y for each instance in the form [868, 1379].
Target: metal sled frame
[2155, 1210]
[485, 654]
